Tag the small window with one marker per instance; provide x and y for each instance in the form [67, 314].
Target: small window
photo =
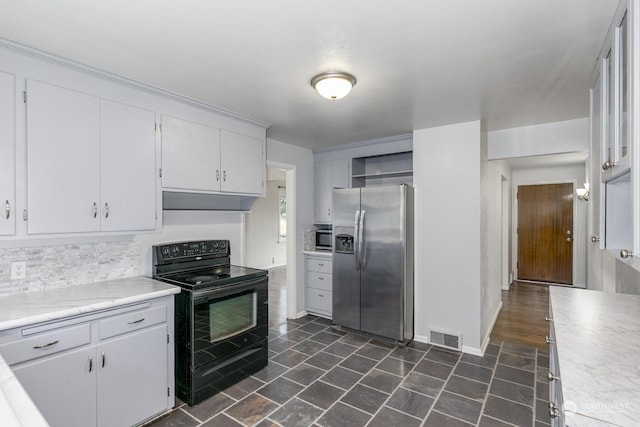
[282, 214]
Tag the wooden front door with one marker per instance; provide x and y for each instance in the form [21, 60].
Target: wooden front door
[545, 233]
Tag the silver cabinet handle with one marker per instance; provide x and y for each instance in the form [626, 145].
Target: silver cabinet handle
[329, 212]
[320, 278]
[106, 210]
[7, 208]
[548, 340]
[607, 165]
[90, 363]
[95, 210]
[624, 254]
[551, 377]
[553, 410]
[49, 344]
[217, 175]
[321, 295]
[103, 358]
[224, 176]
[548, 319]
[133, 322]
[595, 239]
[320, 264]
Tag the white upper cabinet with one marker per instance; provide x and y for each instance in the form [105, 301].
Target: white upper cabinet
[190, 155]
[128, 165]
[7, 155]
[90, 163]
[63, 159]
[328, 174]
[243, 163]
[615, 70]
[614, 213]
[200, 157]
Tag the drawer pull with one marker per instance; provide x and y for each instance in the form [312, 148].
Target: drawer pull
[321, 296]
[41, 346]
[321, 264]
[133, 322]
[552, 377]
[548, 340]
[90, 363]
[320, 278]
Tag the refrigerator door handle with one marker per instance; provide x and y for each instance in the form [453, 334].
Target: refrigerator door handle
[356, 224]
[361, 253]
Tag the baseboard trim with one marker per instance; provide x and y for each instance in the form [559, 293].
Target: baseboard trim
[299, 314]
[487, 337]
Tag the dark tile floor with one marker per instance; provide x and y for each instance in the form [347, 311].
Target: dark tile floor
[321, 377]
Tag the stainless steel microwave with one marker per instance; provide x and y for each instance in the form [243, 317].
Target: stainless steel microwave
[324, 240]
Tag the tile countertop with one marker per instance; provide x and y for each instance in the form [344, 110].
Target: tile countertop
[17, 310]
[597, 340]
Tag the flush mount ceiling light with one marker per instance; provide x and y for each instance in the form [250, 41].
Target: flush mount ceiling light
[333, 85]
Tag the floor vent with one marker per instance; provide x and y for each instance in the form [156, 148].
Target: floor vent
[446, 340]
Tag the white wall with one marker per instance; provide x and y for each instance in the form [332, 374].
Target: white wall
[447, 176]
[557, 174]
[491, 229]
[263, 249]
[299, 164]
[549, 138]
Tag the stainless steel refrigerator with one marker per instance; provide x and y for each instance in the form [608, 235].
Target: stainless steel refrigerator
[373, 260]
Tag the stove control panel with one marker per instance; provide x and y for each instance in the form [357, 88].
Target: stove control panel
[209, 248]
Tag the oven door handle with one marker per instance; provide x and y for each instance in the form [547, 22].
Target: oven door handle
[209, 294]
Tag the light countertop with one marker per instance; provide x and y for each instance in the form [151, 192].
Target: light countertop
[18, 310]
[325, 254]
[598, 341]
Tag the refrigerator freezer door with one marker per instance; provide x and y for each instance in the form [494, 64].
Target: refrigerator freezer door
[383, 256]
[346, 278]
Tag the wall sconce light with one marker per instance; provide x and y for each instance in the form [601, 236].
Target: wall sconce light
[583, 193]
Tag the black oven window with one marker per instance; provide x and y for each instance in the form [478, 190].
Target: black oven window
[232, 316]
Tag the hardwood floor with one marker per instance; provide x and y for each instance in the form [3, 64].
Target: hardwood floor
[521, 319]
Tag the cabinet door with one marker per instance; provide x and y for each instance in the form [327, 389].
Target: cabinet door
[132, 377]
[190, 155]
[340, 173]
[63, 160]
[322, 192]
[62, 387]
[128, 181]
[243, 163]
[7, 155]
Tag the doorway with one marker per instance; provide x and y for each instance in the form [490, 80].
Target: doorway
[545, 233]
[266, 240]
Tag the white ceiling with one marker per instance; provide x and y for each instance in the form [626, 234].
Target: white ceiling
[418, 63]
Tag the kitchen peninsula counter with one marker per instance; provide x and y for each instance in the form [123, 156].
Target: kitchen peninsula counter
[597, 342]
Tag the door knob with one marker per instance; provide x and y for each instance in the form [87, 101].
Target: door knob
[569, 232]
[568, 239]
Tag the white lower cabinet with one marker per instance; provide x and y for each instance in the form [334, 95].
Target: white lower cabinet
[319, 285]
[108, 370]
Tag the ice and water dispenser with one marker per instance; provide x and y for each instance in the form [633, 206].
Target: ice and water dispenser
[343, 240]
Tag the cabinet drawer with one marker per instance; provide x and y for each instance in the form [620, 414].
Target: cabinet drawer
[319, 265]
[320, 281]
[45, 344]
[132, 321]
[319, 300]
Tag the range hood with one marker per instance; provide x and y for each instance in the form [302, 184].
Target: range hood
[178, 201]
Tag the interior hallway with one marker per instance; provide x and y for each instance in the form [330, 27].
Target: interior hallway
[522, 318]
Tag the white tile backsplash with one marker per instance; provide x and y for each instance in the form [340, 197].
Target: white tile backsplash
[67, 265]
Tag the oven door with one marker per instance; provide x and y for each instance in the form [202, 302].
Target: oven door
[229, 319]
